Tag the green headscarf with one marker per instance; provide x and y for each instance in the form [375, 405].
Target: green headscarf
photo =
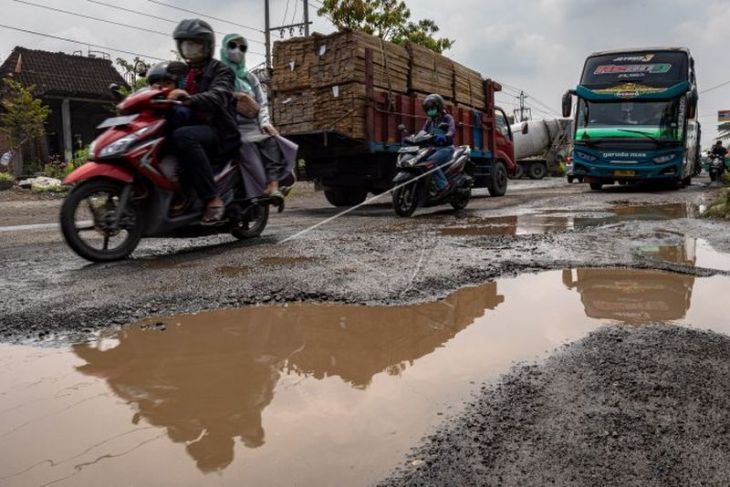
[240, 70]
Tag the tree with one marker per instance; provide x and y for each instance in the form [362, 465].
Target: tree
[134, 72]
[23, 116]
[387, 19]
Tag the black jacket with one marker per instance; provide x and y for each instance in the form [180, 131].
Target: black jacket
[214, 102]
[719, 151]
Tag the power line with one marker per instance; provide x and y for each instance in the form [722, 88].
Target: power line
[156, 2]
[286, 11]
[296, 10]
[164, 19]
[66, 39]
[89, 17]
[716, 87]
[54, 9]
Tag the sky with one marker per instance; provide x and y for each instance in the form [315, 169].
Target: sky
[533, 45]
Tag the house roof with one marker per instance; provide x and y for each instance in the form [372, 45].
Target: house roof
[61, 74]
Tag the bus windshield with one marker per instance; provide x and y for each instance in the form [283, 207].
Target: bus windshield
[656, 69]
[657, 121]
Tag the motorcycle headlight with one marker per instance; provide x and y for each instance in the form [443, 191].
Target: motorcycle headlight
[664, 158]
[119, 147]
[405, 160]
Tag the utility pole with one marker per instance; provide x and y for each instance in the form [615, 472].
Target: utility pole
[283, 28]
[267, 32]
[306, 17]
[524, 110]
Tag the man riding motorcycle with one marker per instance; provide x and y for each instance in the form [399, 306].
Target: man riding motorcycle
[208, 91]
[442, 126]
[718, 150]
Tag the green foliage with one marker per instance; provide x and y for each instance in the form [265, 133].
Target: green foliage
[387, 19]
[720, 208]
[23, 116]
[57, 168]
[6, 177]
[136, 70]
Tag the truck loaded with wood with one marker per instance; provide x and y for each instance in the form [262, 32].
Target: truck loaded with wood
[348, 98]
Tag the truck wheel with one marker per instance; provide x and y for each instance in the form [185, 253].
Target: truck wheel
[596, 186]
[497, 183]
[405, 200]
[345, 197]
[537, 171]
[519, 172]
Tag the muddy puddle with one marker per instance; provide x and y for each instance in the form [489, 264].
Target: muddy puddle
[563, 220]
[301, 394]
[691, 252]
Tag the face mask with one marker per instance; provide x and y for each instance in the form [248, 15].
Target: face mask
[192, 51]
[235, 55]
[432, 112]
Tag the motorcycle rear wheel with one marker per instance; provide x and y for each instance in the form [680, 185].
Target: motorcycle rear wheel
[405, 200]
[254, 226]
[98, 199]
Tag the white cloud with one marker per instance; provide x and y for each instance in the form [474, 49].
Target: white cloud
[536, 45]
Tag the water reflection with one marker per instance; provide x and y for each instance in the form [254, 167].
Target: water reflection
[208, 378]
[629, 296]
[562, 220]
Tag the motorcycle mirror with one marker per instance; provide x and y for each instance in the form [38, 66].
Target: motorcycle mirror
[116, 92]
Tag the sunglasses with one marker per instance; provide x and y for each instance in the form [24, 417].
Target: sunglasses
[236, 45]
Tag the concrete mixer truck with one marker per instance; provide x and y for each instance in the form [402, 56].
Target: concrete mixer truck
[539, 144]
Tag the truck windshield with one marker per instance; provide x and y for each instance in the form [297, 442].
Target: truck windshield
[656, 121]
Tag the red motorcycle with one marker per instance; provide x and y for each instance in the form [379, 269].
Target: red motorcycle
[130, 188]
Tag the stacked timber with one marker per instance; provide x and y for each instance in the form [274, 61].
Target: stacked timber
[319, 81]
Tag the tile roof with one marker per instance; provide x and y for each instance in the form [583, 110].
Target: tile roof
[61, 74]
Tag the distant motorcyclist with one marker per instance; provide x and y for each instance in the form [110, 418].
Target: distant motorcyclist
[718, 150]
[442, 126]
[208, 90]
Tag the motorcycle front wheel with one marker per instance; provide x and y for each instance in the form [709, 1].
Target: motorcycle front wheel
[460, 200]
[89, 222]
[405, 200]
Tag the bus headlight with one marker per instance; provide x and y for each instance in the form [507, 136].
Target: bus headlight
[664, 158]
[585, 156]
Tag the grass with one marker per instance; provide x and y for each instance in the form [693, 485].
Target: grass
[720, 208]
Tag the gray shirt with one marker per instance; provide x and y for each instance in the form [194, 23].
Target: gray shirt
[262, 99]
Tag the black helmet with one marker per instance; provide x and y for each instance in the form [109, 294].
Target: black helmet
[433, 101]
[195, 30]
[166, 71]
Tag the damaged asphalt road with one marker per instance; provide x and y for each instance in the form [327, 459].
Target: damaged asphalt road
[368, 256]
[625, 406]
[637, 404]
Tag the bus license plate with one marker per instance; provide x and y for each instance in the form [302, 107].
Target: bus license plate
[624, 173]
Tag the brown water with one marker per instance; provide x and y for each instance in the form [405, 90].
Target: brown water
[301, 394]
[692, 252]
[559, 220]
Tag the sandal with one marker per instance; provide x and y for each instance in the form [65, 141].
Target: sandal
[277, 199]
[213, 215]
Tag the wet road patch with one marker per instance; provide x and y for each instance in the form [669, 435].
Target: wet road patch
[324, 394]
